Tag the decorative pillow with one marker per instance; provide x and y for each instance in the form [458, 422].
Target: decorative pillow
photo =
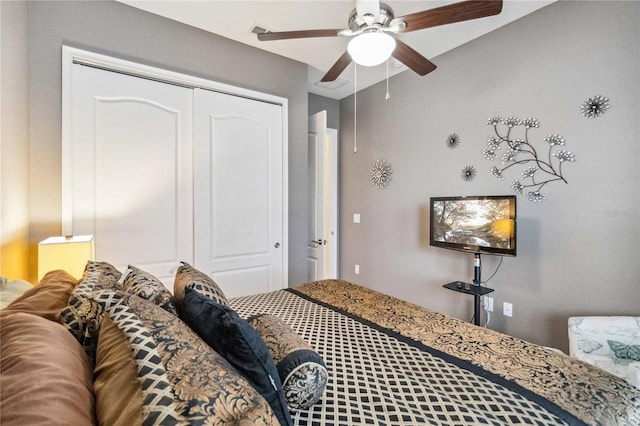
[116, 378]
[187, 275]
[46, 299]
[100, 275]
[181, 380]
[143, 284]
[624, 350]
[301, 369]
[234, 339]
[45, 376]
[82, 315]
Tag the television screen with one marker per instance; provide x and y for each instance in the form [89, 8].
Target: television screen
[477, 224]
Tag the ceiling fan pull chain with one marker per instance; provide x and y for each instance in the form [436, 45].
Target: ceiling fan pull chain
[355, 107]
[388, 96]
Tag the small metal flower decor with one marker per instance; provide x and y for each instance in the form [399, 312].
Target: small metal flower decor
[452, 141]
[595, 107]
[538, 171]
[381, 174]
[468, 173]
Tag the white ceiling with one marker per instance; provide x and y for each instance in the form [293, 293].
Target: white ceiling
[234, 19]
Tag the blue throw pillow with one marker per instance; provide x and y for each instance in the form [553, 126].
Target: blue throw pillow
[233, 338]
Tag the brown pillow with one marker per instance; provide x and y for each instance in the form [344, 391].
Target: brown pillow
[116, 378]
[45, 376]
[46, 299]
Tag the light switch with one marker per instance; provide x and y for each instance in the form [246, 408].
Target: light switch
[356, 218]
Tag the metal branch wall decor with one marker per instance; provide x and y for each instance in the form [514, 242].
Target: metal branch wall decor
[537, 170]
[381, 174]
[595, 107]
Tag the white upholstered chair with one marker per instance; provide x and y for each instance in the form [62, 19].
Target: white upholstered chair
[609, 342]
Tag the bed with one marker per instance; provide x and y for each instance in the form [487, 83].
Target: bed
[388, 362]
[394, 363]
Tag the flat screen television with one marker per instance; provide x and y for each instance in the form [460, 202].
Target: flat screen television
[475, 224]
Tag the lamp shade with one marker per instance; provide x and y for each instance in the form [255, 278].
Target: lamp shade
[69, 253]
[372, 48]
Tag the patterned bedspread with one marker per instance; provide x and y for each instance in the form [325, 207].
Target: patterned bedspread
[391, 362]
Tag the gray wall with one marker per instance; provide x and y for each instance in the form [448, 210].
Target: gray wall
[125, 32]
[578, 250]
[319, 103]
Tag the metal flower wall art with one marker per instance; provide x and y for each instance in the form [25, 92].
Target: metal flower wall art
[452, 141]
[538, 169]
[381, 174]
[595, 107]
[468, 173]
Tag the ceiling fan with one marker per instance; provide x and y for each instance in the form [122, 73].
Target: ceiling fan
[373, 26]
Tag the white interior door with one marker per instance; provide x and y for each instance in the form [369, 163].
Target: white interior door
[316, 231]
[131, 169]
[238, 192]
[322, 247]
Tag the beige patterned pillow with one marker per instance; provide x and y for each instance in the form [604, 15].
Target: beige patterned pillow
[301, 369]
[82, 315]
[187, 275]
[181, 379]
[145, 285]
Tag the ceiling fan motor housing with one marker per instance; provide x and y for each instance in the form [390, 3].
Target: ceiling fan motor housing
[385, 17]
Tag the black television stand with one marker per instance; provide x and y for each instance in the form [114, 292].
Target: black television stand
[474, 288]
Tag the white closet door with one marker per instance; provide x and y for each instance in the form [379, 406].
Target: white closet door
[238, 193]
[131, 165]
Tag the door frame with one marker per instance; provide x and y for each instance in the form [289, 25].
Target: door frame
[71, 55]
[332, 210]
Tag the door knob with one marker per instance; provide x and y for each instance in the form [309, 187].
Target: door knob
[276, 245]
[318, 241]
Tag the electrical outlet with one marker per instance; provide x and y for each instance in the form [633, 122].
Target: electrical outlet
[507, 309]
[356, 218]
[356, 269]
[488, 303]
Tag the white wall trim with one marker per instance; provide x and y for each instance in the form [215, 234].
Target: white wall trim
[71, 55]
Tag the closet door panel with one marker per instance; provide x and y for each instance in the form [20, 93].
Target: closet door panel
[132, 169]
[238, 192]
[239, 187]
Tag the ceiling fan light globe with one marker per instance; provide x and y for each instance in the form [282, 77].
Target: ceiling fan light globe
[372, 48]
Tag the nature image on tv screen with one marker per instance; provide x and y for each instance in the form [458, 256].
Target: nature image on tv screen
[484, 223]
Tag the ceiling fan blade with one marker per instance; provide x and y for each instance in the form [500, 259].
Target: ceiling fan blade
[284, 35]
[457, 12]
[412, 59]
[337, 68]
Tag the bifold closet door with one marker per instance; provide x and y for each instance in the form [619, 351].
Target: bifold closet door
[238, 192]
[131, 162]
